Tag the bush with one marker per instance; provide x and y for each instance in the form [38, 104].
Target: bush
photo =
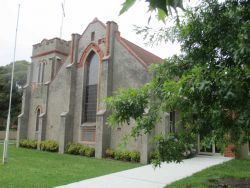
[117, 155]
[23, 143]
[49, 145]
[125, 156]
[73, 148]
[78, 149]
[31, 144]
[135, 156]
[109, 153]
[154, 155]
[82, 150]
[89, 152]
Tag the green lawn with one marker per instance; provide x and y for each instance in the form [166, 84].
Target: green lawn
[32, 168]
[221, 174]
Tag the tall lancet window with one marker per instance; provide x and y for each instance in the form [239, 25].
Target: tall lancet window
[90, 102]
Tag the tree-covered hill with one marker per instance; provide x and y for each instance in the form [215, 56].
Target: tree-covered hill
[19, 80]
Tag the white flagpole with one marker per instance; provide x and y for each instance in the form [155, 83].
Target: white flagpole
[6, 141]
[63, 15]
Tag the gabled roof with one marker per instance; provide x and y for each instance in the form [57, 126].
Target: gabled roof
[147, 57]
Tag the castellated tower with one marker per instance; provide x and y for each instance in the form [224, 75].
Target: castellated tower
[47, 58]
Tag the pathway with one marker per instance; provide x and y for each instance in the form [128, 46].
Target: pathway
[148, 177]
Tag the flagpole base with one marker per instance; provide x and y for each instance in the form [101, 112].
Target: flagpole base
[5, 151]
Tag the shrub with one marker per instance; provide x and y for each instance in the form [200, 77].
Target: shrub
[32, 144]
[78, 149]
[23, 143]
[135, 156]
[109, 153]
[49, 145]
[73, 148]
[117, 155]
[154, 155]
[89, 152]
[125, 156]
[82, 150]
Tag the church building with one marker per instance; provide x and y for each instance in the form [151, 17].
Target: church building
[67, 82]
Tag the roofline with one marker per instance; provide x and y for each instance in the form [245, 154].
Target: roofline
[119, 39]
[94, 21]
[50, 40]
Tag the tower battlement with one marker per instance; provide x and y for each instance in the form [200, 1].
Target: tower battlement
[55, 44]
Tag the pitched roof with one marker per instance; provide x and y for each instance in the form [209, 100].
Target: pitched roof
[147, 57]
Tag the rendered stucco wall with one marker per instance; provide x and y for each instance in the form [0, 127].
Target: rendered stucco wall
[84, 41]
[58, 101]
[127, 72]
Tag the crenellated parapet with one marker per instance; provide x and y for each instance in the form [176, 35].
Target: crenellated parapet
[54, 45]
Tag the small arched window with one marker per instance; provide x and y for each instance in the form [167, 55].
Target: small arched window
[91, 88]
[38, 112]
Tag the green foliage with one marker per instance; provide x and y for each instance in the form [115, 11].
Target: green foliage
[49, 145]
[74, 148]
[31, 144]
[133, 156]
[126, 5]
[90, 152]
[109, 153]
[79, 149]
[154, 156]
[129, 103]
[162, 7]
[19, 80]
[208, 83]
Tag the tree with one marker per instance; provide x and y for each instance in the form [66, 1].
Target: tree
[209, 83]
[162, 7]
[19, 81]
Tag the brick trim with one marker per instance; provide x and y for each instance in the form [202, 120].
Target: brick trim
[119, 39]
[91, 47]
[49, 52]
[108, 39]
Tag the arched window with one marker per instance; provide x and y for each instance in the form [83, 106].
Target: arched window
[90, 102]
[38, 112]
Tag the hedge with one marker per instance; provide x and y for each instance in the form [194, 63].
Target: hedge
[133, 156]
[79, 149]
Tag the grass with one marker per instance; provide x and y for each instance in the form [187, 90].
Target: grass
[232, 170]
[32, 168]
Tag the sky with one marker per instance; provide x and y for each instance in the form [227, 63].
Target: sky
[40, 19]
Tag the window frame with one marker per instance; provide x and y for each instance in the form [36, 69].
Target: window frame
[90, 83]
[84, 129]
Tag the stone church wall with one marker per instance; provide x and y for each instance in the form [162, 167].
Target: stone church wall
[127, 72]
